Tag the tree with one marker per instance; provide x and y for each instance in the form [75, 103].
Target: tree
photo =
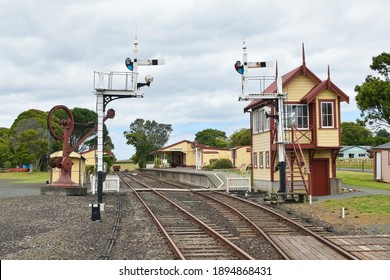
[146, 137]
[212, 138]
[373, 96]
[381, 137]
[29, 139]
[383, 133]
[240, 137]
[6, 155]
[354, 134]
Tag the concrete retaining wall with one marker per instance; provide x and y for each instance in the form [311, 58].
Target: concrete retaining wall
[198, 178]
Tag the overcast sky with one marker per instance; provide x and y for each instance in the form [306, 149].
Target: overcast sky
[49, 51]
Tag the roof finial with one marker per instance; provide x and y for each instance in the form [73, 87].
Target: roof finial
[328, 77]
[303, 58]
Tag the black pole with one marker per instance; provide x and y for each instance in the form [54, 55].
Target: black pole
[282, 181]
[96, 206]
[100, 186]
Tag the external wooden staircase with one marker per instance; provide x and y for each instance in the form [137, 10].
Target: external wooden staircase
[298, 176]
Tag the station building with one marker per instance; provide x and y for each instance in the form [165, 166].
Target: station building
[187, 153]
[91, 156]
[241, 156]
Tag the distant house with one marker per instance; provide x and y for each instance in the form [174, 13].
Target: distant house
[382, 162]
[358, 152]
[91, 156]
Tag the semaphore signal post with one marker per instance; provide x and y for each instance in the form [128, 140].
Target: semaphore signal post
[279, 97]
[112, 86]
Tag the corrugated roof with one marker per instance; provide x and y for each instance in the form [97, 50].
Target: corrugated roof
[345, 148]
[385, 146]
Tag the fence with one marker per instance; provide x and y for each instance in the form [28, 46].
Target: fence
[111, 184]
[355, 163]
[238, 182]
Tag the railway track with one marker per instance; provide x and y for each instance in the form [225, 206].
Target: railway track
[260, 231]
[188, 237]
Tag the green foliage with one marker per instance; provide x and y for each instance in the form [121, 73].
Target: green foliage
[373, 96]
[212, 137]
[109, 160]
[223, 163]
[146, 137]
[158, 163]
[6, 154]
[90, 169]
[355, 134]
[240, 137]
[217, 138]
[381, 63]
[29, 139]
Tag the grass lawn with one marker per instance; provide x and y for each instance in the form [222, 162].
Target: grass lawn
[364, 210]
[26, 177]
[372, 204]
[361, 179]
[367, 211]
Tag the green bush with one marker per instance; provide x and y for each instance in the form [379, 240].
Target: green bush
[223, 163]
[90, 169]
[207, 167]
[158, 163]
[141, 163]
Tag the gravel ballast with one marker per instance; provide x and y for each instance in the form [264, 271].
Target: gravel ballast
[42, 227]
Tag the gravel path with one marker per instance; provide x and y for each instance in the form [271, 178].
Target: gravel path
[41, 227]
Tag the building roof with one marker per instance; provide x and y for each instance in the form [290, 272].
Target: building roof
[200, 146]
[240, 147]
[72, 155]
[345, 148]
[95, 150]
[327, 84]
[311, 95]
[385, 146]
[174, 144]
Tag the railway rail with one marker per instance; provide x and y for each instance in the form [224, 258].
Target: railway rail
[187, 236]
[115, 229]
[245, 223]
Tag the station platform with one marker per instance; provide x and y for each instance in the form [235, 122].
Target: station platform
[202, 178]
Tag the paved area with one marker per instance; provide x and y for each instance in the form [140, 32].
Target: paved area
[9, 188]
[356, 192]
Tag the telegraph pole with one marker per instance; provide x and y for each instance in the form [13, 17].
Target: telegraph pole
[112, 86]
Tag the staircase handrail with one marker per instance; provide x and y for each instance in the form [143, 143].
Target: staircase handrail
[302, 158]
